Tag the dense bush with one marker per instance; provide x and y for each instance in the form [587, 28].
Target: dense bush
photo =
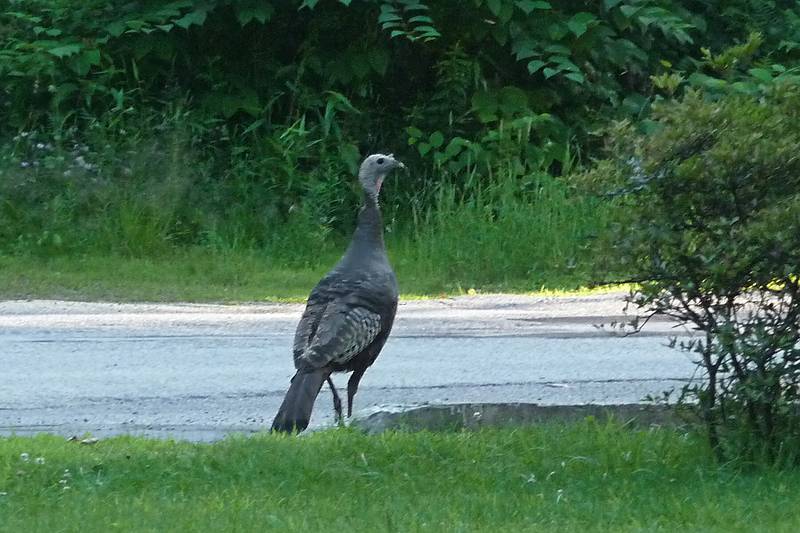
[239, 123]
[710, 228]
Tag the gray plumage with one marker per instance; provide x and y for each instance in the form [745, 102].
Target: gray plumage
[349, 314]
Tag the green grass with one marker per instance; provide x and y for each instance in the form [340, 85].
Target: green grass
[199, 275]
[188, 276]
[502, 239]
[577, 477]
[492, 241]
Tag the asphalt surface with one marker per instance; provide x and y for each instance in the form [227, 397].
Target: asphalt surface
[202, 371]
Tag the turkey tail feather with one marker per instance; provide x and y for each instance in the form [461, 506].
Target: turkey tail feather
[295, 410]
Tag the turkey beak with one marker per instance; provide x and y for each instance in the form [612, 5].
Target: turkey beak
[398, 164]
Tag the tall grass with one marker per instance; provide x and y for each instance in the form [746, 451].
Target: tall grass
[513, 233]
[156, 189]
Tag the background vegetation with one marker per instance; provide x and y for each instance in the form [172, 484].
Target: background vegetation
[231, 129]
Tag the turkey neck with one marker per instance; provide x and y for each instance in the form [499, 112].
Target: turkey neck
[368, 237]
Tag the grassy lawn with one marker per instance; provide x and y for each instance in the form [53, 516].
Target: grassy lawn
[198, 275]
[583, 476]
[191, 276]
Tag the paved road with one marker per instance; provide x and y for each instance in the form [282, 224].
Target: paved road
[200, 371]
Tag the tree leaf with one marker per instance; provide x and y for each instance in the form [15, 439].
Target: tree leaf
[436, 139]
[550, 72]
[535, 65]
[575, 76]
[65, 50]
[529, 5]
[580, 22]
[260, 12]
[193, 17]
[388, 16]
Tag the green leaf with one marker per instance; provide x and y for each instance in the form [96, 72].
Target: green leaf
[350, 155]
[436, 139]
[761, 74]
[65, 50]
[580, 22]
[610, 4]
[565, 63]
[513, 100]
[414, 132]
[535, 65]
[575, 76]
[703, 80]
[260, 12]
[550, 72]
[310, 4]
[485, 104]
[85, 60]
[454, 147]
[195, 17]
[495, 6]
[379, 60]
[254, 126]
[529, 5]
[388, 16]
[558, 49]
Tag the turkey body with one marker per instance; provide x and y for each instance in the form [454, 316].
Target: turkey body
[347, 319]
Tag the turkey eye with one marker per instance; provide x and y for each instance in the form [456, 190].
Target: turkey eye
[380, 160]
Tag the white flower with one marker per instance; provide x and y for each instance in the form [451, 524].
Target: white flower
[24, 164]
[24, 457]
[39, 460]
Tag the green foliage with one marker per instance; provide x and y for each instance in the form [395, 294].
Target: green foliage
[462, 241]
[239, 123]
[711, 229]
[585, 476]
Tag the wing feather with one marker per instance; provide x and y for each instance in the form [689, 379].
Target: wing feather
[342, 332]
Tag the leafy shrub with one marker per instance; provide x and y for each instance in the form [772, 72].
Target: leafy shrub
[247, 117]
[710, 227]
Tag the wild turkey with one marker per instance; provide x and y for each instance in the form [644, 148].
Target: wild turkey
[349, 314]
